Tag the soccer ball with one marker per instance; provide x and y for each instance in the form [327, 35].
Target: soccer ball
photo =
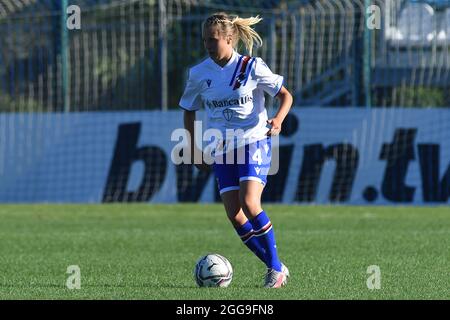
[213, 270]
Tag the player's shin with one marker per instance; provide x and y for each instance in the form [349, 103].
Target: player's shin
[264, 233]
[245, 232]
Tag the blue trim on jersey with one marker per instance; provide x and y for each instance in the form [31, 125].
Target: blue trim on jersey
[279, 90]
[235, 70]
[249, 68]
[188, 109]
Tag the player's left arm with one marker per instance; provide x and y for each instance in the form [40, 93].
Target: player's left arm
[286, 100]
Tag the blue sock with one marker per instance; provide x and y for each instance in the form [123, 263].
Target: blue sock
[246, 233]
[266, 237]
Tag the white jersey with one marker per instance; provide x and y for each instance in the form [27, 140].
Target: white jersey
[233, 95]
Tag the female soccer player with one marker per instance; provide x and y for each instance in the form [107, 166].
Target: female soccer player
[231, 87]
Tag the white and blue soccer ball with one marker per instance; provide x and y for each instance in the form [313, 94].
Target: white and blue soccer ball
[213, 270]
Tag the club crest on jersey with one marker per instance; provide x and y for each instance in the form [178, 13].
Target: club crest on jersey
[208, 82]
[242, 72]
[228, 114]
[239, 80]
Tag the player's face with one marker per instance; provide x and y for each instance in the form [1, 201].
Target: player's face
[216, 44]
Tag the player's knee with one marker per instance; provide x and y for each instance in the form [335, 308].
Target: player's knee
[250, 205]
[238, 220]
[233, 209]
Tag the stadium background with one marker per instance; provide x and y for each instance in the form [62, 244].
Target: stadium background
[86, 116]
[72, 102]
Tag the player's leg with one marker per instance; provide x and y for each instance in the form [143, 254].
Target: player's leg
[228, 183]
[233, 209]
[252, 178]
[240, 223]
[250, 198]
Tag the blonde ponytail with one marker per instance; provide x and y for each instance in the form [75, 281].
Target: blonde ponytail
[239, 28]
[246, 33]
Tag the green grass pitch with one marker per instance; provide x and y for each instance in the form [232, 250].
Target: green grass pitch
[149, 251]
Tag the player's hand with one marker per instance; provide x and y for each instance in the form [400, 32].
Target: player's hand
[203, 167]
[276, 127]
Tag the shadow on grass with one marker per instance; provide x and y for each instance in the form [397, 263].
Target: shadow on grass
[163, 285]
[32, 285]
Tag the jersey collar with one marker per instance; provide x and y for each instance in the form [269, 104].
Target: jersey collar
[230, 62]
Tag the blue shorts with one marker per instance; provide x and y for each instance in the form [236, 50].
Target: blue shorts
[249, 162]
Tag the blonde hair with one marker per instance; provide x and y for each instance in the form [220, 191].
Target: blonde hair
[240, 29]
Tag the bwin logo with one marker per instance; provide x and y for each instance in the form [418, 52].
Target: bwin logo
[228, 114]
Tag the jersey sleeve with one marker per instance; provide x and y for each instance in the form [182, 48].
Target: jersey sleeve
[267, 80]
[191, 99]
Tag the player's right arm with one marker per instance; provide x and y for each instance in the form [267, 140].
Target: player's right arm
[189, 119]
[191, 102]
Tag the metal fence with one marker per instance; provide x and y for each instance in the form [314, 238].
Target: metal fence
[134, 55]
